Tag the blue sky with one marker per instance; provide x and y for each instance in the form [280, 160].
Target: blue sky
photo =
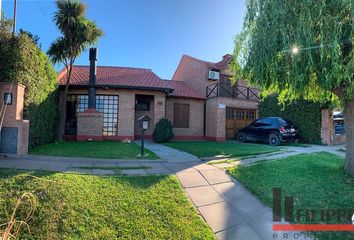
[145, 33]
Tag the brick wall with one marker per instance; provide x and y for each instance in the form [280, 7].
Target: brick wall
[216, 114]
[196, 117]
[127, 116]
[15, 110]
[13, 118]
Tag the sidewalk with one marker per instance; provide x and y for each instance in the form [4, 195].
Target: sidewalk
[229, 209]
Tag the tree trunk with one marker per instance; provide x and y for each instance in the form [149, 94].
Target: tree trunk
[349, 130]
[62, 110]
[62, 113]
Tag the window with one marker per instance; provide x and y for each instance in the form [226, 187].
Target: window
[257, 123]
[180, 115]
[8, 98]
[108, 104]
[240, 114]
[142, 106]
[251, 115]
[142, 102]
[267, 122]
[230, 113]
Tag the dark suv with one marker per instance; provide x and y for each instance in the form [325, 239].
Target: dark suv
[271, 129]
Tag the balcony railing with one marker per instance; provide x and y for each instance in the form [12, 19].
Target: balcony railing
[226, 90]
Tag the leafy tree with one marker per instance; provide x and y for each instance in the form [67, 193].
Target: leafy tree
[35, 38]
[301, 49]
[78, 33]
[23, 62]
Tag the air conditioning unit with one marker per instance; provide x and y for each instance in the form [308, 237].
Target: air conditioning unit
[213, 75]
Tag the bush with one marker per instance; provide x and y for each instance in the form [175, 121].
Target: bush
[163, 131]
[23, 62]
[306, 114]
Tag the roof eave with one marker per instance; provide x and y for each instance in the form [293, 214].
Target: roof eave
[170, 90]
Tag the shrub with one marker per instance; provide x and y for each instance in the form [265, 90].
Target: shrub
[163, 131]
[306, 114]
[23, 62]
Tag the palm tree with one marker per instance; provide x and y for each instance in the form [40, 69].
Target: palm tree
[78, 33]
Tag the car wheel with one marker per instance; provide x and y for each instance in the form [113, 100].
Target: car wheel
[274, 140]
[241, 137]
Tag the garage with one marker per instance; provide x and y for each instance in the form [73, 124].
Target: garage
[237, 118]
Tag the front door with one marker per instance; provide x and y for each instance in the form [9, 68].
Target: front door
[237, 118]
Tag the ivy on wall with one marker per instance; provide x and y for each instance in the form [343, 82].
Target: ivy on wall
[306, 114]
[23, 62]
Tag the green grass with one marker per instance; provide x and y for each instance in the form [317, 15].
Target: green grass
[314, 180]
[228, 149]
[73, 206]
[105, 149]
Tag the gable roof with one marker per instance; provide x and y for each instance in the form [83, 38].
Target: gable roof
[128, 78]
[186, 60]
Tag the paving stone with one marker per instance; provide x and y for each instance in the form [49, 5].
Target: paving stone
[220, 216]
[205, 166]
[262, 223]
[132, 172]
[241, 231]
[248, 206]
[180, 167]
[230, 190]
[203, 195]
[191, 179]
[215, 176]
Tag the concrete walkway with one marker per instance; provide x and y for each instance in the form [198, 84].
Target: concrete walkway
[169, 154]
[230, 210]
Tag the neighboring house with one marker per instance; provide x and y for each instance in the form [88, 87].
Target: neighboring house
[196, 105]
[228, 107]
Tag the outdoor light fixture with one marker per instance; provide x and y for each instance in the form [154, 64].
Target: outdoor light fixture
[8, 98]
[295, 50]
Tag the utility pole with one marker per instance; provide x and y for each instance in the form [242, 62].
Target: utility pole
[14, 26]
[0, 10]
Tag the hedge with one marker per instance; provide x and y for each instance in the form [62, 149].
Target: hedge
[23, 62]
[307, 115]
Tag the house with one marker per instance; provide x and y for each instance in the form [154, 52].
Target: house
[198, 106]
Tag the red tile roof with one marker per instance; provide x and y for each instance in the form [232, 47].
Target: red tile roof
[181, 89]
[114, 76]
[125, 77]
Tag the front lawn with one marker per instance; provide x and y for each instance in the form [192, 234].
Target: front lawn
[104, 149]
[228, 149]
[316, 181]
[73, 206]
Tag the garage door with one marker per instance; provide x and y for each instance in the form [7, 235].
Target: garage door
[237, 118]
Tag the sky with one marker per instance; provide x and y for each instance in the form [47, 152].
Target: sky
[150, 34]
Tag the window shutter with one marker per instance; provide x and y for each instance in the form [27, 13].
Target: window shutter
[180, 115]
